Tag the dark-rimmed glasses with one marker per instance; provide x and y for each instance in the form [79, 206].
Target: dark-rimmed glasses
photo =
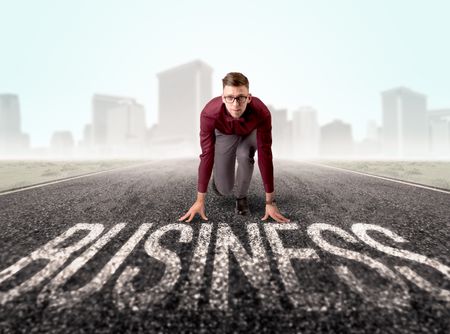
[240, 99]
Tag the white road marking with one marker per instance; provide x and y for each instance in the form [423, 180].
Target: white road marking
[256, 268]
[56, 257]
[296, 293]
[191, 291]
[360, 231]
[124, 292]
[422, 283]
[390, 296]
[69, 179]
[55, 294]
[380, 177]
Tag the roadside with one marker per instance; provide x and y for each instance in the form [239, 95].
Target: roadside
[16, 174]
[430, 173]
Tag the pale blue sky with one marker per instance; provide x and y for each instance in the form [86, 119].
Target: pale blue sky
[336, 55]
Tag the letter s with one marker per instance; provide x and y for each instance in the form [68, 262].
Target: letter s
[361, 231]
[124, 292]
[387, 296]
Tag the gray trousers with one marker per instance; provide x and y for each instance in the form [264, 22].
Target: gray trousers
[228, 149]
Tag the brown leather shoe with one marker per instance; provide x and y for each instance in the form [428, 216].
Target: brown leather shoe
[242, 206]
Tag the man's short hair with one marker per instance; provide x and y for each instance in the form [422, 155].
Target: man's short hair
[235, 79]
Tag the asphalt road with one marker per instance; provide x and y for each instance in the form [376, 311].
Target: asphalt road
[106, 253]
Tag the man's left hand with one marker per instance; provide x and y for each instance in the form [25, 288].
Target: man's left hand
[272, 211]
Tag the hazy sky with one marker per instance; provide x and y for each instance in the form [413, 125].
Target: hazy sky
[336, 55]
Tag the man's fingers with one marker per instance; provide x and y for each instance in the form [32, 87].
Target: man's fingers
[286, 220]
[190, 218]
[283, 220]
[202, 214]
[184, 217]
[279, 218]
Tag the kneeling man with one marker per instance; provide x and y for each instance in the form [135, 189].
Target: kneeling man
[233, 127]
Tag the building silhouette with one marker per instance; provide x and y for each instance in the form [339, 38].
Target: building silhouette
[370, 146]
[62, 144]
[281, 133]
[87, 141]
[373, 131]
[183, 92]
[439, 132]
[405, 129]
[305, 133]
[336, 139]
[12, 140]
[118, 125]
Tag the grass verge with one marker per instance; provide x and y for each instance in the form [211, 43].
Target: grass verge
[430, 173]
[18, 174]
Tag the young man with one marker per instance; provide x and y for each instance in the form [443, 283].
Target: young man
[232, 127]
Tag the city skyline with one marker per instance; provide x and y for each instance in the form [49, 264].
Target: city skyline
[118, 126]
[334, 56]
[289, 115]
[169, 78]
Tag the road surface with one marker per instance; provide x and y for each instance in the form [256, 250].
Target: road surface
[106, 253]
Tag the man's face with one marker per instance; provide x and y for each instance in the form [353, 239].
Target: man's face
[236, 108]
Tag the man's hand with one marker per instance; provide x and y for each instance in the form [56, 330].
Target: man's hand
[272, 211]
[197, 207]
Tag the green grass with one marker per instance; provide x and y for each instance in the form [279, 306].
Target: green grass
[431, 173]
[17, 174]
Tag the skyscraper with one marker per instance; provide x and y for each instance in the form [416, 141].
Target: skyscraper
[439, 132]
[118, 124]
[12, 140]
[62, 143]
[336, 139]
[183, 92]
[305, 133]
[405, 130]
[370, 146]
[281, 133]
[372, 131]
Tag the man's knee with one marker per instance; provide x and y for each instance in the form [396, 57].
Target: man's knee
[225, 188]
[246, 154]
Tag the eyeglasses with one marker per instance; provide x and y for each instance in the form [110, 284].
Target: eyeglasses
[240, 99]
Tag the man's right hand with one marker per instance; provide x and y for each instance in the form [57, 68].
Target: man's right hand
[197, 207]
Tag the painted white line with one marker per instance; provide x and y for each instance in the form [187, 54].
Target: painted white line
[393, 295]
[70, 178]
[256, 268]
[125, 294]
[53, 292]
[54, 255]
[380, 177]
